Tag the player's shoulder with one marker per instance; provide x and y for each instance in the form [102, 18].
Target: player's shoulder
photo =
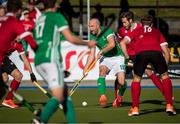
[139, 25]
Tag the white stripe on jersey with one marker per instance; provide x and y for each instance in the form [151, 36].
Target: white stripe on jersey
[23, 35]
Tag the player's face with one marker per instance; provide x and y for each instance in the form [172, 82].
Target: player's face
[126, 23]
[93, 28]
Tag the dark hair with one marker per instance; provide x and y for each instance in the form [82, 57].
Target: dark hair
[147, 20]
[14, 5]
[49, 3]
[128, 15]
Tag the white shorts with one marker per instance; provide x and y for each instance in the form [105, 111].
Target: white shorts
[52, 73]
[116, 63]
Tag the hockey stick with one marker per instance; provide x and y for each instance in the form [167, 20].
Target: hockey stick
[42, 89]
[24, 102]
[79, 81]
[150, 68]
[46, 93]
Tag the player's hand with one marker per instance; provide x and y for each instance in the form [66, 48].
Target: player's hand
[33, 77]
[66, 73]
[99, 54]
[91, 43]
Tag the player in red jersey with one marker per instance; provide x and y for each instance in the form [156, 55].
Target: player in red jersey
[27, 22]
[8, 67]
[34, 12]
[130, 25]
[149, 46]
[11, 28]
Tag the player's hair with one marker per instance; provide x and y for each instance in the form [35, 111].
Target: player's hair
[128, 15]
[14, 5]
[147, 20]
[49, 3]
[96, 20]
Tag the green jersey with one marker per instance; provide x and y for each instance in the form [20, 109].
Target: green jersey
[48, 37]
[103, 41]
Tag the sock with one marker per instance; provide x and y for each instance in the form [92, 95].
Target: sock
[68, 109]
[48, 110]
[157, 82]
[135, 93]
[116, 88]
[13, 87]
[167, 88]
[122, 89]
[101, 85]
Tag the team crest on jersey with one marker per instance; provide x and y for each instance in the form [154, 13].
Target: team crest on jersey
[141, 36]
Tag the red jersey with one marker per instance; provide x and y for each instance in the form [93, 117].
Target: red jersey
[34, 14]
[147, 39]
[28, 25]
[16, 46]
[10, 29]
[123, 32]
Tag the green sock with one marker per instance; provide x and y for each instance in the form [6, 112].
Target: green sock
[50, 107]
[101, 85]
[122, 88]
[68, 109]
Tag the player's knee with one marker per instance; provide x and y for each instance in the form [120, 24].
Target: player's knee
[5, 77]
[58, 93]
[164, 76]
[148, 72]
[18, 76]
[136, 78]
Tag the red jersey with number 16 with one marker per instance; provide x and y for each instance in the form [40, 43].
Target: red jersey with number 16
[147, 39]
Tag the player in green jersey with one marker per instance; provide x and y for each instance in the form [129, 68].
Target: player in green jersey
[49, 26]
[110, 55]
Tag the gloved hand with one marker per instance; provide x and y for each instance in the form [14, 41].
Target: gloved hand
[33, 77]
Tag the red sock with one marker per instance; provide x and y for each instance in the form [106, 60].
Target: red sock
[116, 88]
[167, 88]
[135, 93]
[14, 85]
[157, 82]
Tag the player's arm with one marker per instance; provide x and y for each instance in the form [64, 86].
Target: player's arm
[123, 44]
[20, 49]
[166, 52]
[164, 47]
[27, 36]
[108, 47]
[90, 58]
[75, 40]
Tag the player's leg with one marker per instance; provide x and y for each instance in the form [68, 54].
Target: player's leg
[102, 85]
[162, 69]
[104, 68]
[119, 70]
[122, 88]
[155, 79]
[10, 68]
[140, 59]
[2, 89]
[53, 74]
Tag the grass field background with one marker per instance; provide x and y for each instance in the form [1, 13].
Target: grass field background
[152, 108]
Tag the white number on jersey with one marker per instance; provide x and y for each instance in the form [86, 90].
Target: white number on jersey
[39, 29]
[147, 29]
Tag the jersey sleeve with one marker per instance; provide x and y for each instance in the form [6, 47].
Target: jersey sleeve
[130, 36]
[109, 33]
[120, 35]
[162, 39]
[61, 22]
[18, 46]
